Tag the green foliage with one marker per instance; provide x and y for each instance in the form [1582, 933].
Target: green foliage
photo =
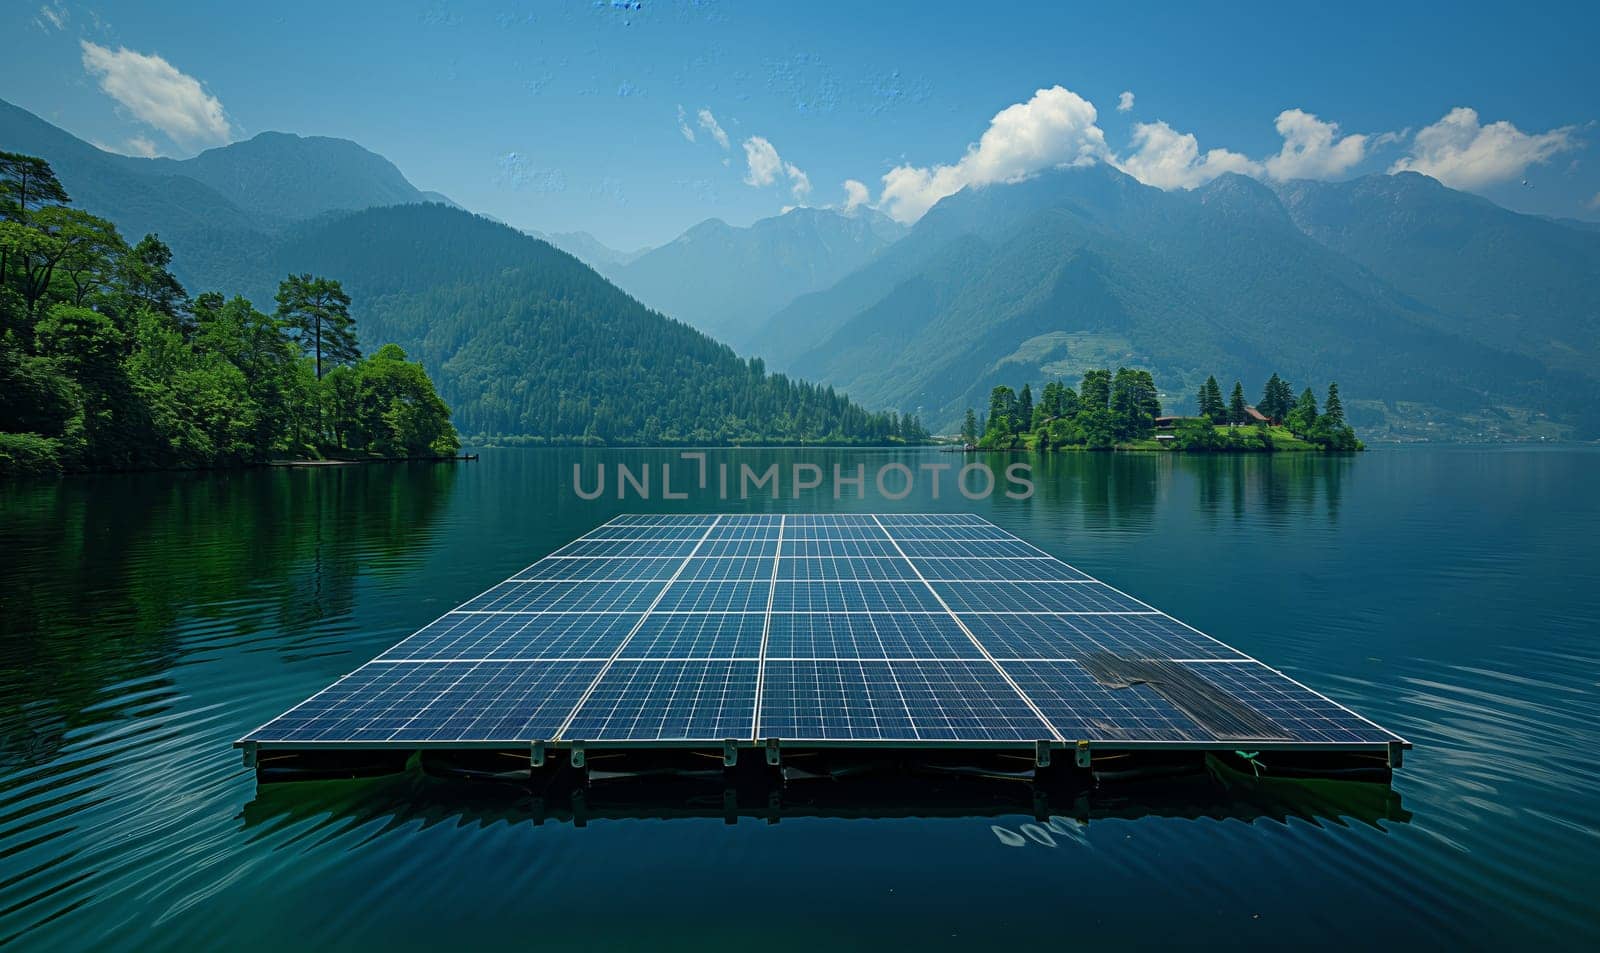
[969, 429]
[1302, 418]
[105, 363]
[386, 404]
[1095, 392]
[1277, 399]
[1133, 404]
[28, 454]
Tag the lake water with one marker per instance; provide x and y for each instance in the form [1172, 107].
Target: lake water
[148, 621]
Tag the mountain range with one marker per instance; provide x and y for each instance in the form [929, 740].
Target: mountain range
[1441, 314]
[727, 280]
[1438, 311]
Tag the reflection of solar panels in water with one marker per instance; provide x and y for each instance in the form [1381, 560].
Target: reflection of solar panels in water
[895, 630]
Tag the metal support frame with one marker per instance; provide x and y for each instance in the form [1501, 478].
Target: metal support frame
[577, 754]
[536, 754]
[1397, 754]
[1041, 754]
[773, 757]
[730, 753]
[249, 754]
[1084, 760]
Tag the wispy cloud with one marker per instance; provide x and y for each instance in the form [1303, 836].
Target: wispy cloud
[159, 94]
[683, 124]
[52, 16]
[709, 123]
[517, 172]
[1125, 101]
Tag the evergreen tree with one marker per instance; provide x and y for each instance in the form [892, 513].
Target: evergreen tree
[150, 284]
[1274, 403]
[1210, 401]
[318, 311]
[1302, 418]
[1024, 410]
[969, 429]
[24, 181]
[1333, 408]
[1236, 405]
[1095, 392]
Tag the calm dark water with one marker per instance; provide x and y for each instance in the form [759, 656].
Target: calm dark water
[148, 621]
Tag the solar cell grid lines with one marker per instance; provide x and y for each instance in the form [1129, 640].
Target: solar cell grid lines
[825, 629]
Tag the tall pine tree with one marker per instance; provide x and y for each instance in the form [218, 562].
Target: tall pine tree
[318, 311]
[1333, 408]
[1236, 413]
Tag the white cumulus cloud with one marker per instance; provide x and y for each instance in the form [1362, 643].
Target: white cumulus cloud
[1462, 153]
[855, 194]
[1169, 159]
[159, 94]
[1057, 127]
[1125, 101]
[683, 124]
[709, 123]
[1313, 149]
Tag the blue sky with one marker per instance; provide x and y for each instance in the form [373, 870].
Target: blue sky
[564, 116]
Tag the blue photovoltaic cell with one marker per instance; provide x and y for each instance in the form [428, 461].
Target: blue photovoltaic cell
[700, 596]
[699, 635]
[660, 699]
[811, 568]
[517, 636]
[853, 596]
[998, 570]
[1034, 597]
[437, 702]
[723, 568]
[566, 597]
[894, 701]
[1081, 708]
[1304, 714]
[882, 546]
[904, 628]
[1039, 636]
[1003, 548]
[739, 547]
[601, 569]
[868, 635]
[628, 547]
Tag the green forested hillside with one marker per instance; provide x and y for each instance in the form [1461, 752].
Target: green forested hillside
[527, 341]
[1518, 282]
[107, 363]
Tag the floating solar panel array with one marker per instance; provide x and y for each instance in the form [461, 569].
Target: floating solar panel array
[894, 630]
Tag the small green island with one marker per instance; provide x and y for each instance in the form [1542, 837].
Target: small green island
[1123, 412]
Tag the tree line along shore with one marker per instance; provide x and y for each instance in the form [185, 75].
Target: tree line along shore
[1122, 411]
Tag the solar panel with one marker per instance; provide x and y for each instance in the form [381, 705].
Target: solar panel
[903, 629]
